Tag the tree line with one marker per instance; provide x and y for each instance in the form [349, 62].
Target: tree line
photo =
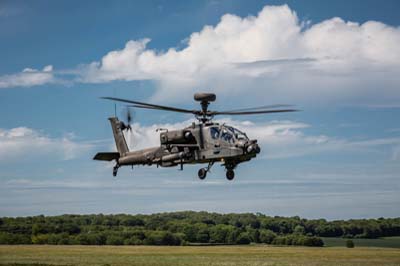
[186, 228]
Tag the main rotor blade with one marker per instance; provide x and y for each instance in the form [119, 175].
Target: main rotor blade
[255, 112]
[259, 108]
[196, 112]
[151, 106]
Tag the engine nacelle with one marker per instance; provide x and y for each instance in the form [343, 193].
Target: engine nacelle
[176, 137]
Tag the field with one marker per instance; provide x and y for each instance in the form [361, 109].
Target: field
[211, 255]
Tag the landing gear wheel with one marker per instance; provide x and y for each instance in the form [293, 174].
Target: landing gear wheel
[202, 173]
[230, 174]
[115, 170]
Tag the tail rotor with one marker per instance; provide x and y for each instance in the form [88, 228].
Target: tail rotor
[128, 118]
[128, 115]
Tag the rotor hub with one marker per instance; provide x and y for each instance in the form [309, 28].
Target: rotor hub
[204, 99]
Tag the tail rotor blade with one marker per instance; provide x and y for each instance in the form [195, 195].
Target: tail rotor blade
[128, 115]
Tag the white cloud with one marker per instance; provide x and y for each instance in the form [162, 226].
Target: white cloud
[286, 61]
[24, 143]
[278, 139]
[28, 77]
[270, 57]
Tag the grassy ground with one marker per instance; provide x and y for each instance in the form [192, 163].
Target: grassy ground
[177, 256]
[385, 242]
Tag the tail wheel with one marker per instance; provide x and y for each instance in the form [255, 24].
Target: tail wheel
[230, 174]
[202, 173]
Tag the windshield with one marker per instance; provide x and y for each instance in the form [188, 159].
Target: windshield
[239, 135]
[227, 136]
[214, 131]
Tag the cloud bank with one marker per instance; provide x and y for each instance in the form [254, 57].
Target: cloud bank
[28, 77]
[24, 143]
[272, 55]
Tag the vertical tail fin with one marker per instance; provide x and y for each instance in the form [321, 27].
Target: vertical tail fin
[120, 142]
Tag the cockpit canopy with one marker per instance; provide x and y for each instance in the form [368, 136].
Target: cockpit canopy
[227, 133]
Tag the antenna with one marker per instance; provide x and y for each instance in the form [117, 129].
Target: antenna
[115, 105]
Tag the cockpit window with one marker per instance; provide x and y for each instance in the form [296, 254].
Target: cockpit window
[239, 135]
[214, 132]
[227, 136]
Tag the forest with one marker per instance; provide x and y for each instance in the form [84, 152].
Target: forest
[187, 228]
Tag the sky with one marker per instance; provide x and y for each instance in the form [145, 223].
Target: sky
[337, 61]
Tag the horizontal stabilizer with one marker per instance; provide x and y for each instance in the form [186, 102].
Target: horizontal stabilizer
[106, 156]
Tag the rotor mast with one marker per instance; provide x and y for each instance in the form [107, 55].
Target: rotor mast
[204, 99]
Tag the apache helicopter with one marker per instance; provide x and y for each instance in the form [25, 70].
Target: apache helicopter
[202, 142]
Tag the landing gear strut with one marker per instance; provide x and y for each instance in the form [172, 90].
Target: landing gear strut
[203, 171]
[115, 170]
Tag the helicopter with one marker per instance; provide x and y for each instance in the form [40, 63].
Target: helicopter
[199, 143]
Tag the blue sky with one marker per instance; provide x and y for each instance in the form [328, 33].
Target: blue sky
[338, 61]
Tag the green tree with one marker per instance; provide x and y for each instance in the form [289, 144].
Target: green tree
[162, 238]
[349, 243]
[114, 240]
[313, 241]
[233, 235]
[243, 239]
[300, 230]
[190, 233]
[40, 239]
[279, 240]
[267, 236]
[254, 234]
[220, 233]
[132, 221]
[14, 239]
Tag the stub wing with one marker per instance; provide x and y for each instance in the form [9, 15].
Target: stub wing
[106, 156]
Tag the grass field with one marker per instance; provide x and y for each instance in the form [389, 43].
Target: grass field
[176, 256]
[385, 242]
